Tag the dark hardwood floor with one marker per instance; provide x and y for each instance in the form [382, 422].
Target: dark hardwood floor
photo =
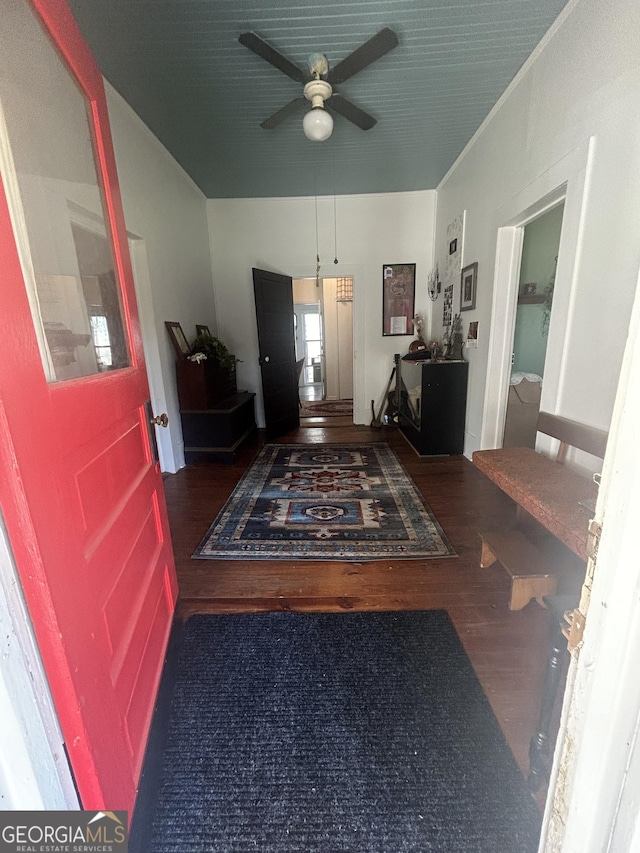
[507, 649]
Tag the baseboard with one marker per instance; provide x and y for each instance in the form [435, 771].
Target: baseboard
[151, 778]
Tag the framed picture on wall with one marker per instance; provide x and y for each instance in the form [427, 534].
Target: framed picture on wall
[468, 283]
[398, 298]
[453, 255]
[202, 330]
[178, 338]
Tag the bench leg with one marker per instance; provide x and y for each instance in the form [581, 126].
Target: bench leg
[539, 748]
[487, 557]
[524, 589]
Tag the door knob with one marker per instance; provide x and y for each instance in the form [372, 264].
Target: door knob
[265, 360]
[161, 420]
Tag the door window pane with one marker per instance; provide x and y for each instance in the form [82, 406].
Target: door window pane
[56, 204]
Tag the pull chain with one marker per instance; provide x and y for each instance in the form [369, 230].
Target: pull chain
[335, 226]
[317, 242]
[335, 231]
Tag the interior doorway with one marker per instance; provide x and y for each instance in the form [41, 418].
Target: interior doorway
[538, 261]
[309, 349]
[324, 337]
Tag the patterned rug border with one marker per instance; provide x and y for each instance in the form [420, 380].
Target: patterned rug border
[352, 552]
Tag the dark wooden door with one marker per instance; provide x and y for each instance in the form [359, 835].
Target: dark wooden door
[276, 341]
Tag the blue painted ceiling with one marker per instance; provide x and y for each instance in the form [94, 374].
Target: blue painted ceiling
[180, 66]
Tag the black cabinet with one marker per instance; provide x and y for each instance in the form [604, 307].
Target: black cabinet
[433, 403]
[216, 418]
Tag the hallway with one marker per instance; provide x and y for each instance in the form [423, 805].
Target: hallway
[507, 649]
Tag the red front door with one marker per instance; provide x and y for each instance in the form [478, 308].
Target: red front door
[80, 491]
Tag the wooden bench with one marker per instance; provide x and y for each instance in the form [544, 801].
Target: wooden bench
[559, 499]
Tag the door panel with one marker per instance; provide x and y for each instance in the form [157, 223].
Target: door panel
[276, 340]
[80, 490]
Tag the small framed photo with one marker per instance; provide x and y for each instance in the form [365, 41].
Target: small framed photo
[472, 335]
[178, 339]
[202, 330]
[398, 298]
[468, 284]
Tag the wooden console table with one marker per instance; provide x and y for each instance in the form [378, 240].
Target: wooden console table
[217, 433]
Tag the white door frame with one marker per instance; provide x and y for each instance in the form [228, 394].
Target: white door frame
[567, 180]
[34, 771]
[170, 438]
[595, 785]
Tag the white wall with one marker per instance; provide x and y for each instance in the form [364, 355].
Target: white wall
[165, 210]
[279, 234]
[305, 291]
[582, 82]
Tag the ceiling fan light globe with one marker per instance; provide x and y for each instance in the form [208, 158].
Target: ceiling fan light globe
[317, 125]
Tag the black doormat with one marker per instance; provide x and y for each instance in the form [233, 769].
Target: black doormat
[319, 733]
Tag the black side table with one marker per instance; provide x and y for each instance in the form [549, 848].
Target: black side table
[541, 745]
[217, 433]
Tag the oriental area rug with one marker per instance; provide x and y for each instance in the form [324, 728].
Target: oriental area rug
[326, 408]
[325, 502]
[329, 732]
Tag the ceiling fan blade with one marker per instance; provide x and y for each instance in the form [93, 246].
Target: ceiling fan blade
[377, 46]
[290, 108]
[272, 56]
[352, 113]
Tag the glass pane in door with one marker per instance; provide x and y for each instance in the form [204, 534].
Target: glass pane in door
[50, 175]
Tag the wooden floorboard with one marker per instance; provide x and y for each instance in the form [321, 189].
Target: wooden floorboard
[507, 649]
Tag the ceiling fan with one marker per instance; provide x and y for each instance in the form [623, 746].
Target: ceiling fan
[319, 81]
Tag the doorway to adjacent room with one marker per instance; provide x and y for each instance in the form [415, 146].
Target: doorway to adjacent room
[324, 338]
[540, 246]
[309, 349]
